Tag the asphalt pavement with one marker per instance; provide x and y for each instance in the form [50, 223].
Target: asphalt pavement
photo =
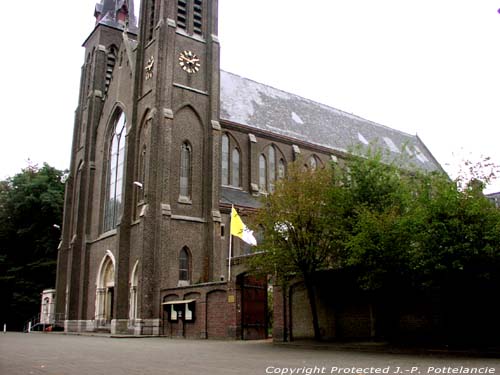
[60, 354]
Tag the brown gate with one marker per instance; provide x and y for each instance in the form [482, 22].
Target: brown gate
[253, 307]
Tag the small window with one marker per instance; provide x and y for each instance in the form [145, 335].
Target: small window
[142, 174]
[185, 172]
[184, 265]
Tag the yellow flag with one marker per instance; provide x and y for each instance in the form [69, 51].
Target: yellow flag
[240, 230]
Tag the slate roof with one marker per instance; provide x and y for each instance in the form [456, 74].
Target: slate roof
[250, 103]
[238, 198]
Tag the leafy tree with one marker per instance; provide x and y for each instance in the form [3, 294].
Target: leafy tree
[456, 233]
[412, 233]
[398, 230]
[377, 197]
[299, 238]
[31, 203]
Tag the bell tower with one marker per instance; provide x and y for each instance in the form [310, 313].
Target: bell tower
[177, 110]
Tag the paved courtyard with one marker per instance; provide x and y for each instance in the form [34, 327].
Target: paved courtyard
[59, 354]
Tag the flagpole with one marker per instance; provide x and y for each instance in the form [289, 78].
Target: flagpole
[230, 245]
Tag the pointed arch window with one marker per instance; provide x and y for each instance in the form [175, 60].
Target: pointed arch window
[262, 173]
[313, 163]
[270, 169]
[141, 177]
[184, 265]
[230, 162]
[116, 164]
[185, 172]
[281, 169]
[235, 170]
[225, 160]
[142, 165]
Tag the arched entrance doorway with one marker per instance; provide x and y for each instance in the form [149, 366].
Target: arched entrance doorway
[105, 291]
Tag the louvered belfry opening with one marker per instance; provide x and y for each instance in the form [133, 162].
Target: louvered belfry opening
[190, 16]
[110, 66]
[151, 18]
[182, 14]
[198, 17]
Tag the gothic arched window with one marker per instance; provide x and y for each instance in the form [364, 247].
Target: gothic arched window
[230, 162]
[262, 173]
[140, 180]
[281, 169]
[185, 172]
[142, 173]
[270, 169]
[225, 160]
[116, 164]
[184, 265]
[235, 170]
[271, 153]
[314, 163]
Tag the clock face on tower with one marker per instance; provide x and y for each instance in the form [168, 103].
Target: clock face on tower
[189, 62]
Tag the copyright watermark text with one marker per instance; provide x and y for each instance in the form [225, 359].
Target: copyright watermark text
[354, 370]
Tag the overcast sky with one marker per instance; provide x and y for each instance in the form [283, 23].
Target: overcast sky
[430, 68]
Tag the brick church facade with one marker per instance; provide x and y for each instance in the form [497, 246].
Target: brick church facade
[164, 144]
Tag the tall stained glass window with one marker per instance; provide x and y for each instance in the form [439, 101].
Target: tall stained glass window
[116, 163]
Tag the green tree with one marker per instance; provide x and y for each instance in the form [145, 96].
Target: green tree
[31, 203]
[377, 196]
[299, 238]
[400, 231]
[412, 234]
[457, 233]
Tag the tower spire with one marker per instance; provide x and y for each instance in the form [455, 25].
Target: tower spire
[116, 13]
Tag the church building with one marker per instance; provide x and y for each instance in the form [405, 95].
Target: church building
[164, 144]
